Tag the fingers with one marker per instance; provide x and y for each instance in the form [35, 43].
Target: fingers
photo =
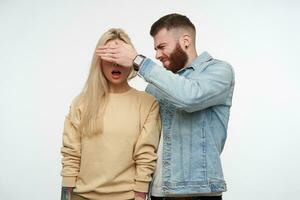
[109, 59]
[108, 49]
[106, 56]
[116, 54]
[107, 53]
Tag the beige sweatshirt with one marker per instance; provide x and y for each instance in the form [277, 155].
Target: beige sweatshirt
[119, 161]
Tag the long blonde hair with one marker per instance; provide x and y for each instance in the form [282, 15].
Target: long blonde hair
[93, 98]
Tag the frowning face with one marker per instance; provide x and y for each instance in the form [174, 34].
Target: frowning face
[169, 51]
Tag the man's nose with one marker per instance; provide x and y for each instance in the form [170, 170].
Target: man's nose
[158, 54]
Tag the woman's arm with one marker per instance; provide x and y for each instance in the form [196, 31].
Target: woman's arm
[145, 148]
[71, 151]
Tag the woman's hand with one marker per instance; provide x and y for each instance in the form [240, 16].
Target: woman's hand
[139, 196]
[121, 54]
[66, 193]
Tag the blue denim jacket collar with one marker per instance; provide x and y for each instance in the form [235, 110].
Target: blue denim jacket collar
[204, 57]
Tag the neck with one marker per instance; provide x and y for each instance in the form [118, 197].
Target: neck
[119, 88]
[192, 55]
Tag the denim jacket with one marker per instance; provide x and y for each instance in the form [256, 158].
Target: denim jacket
[194, 106]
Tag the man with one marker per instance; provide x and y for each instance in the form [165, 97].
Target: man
[195, 96]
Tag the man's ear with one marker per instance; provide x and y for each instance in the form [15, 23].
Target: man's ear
[186, 40]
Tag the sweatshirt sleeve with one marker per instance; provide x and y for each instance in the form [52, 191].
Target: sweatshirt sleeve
[71, 149]
[145, 150]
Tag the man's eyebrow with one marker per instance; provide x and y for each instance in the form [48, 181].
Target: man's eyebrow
[159, 46]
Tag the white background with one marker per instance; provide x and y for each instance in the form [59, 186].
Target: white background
[45, 52]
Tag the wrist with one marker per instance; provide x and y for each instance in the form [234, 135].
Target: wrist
[66, 193]
[134, 56]
[138, 61]
[140, 194]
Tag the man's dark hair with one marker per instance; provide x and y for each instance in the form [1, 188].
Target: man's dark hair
[171, 21]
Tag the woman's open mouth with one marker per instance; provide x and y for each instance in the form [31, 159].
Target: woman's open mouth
[116, 74]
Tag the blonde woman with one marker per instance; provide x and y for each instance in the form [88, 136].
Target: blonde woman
[110, 134]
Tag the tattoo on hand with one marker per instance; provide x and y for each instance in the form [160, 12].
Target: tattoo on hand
[66, 193]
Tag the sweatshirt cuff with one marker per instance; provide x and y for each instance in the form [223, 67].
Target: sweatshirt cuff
[68, 181]
[141, 186]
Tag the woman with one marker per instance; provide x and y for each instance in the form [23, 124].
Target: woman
[110, 134]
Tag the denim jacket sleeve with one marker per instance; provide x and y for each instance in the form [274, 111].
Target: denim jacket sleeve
[210, 87]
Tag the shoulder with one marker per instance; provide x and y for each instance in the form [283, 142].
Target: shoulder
[146, 101]
[145, 97]
[220, 64]
[148, 105]
[215, 67]
[224, 68]
[75, 109]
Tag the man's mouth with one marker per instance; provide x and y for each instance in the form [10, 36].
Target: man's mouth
[163, 61]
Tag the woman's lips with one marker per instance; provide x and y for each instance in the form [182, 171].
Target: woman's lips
[116, 74]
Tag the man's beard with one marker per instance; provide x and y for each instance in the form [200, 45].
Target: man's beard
[178, 59]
